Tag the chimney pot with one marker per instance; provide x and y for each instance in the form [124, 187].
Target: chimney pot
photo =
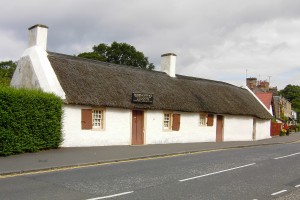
[38, 36]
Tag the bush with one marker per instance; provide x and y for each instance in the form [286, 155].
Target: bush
[30, 120]
[298, 128]
[282, 132]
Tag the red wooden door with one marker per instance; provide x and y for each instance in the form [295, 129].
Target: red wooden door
[137, 127]
[219, 134]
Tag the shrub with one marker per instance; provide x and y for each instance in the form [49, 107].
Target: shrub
[298, 127]
[282, 132]
[30, 120]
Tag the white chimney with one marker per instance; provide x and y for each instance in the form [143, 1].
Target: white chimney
[168, 63]
[38, 36]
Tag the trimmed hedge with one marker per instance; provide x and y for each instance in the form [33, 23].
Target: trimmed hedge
[30, 120]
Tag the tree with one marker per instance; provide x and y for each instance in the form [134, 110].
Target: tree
[292, 93]
[119, 53]
[7, 69]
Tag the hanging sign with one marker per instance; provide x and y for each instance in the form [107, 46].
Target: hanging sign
[142, 98]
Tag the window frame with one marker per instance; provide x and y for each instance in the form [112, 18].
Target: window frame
[87, 119]
[203, 119]
[171, 125]
[169, 128]
[102, 127]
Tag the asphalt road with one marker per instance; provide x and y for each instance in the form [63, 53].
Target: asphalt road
[267, 172]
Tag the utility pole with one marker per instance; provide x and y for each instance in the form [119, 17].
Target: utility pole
[269, 80]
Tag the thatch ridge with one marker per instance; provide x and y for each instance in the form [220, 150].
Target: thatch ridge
[96, 83]
[81, 59]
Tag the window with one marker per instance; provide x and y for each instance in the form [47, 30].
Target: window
[171, 121]
[97, 119]
[202, 119]
[92, 119]
[167, 121]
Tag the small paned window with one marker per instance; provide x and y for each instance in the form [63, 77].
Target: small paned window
[202, 119]
[167, 121]
[97, 118]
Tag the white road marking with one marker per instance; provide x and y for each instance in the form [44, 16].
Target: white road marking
[111, 196]
[279, 192]
[287, 156]
[297, 186]
[226, 170]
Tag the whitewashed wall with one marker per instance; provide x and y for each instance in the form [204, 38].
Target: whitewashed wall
[262, 129]
[190, 130]
[34, 71]
[237, 128]
[117, 129]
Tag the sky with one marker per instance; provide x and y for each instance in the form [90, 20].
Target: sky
[224, 40]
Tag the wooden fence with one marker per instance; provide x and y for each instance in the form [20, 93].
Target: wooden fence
[275, 128]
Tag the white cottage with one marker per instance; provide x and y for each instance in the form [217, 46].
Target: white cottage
[107, 104]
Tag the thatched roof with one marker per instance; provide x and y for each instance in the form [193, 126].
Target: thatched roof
[94, 83]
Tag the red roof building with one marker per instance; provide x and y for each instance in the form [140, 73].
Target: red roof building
[265, 98]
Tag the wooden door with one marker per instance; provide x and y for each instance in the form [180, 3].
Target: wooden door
[137, 127]
[219, 134]
[254, 129]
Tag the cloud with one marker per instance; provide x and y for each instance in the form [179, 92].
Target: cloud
[11, 47]
[212, 38]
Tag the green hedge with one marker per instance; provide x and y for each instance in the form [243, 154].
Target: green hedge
[30, 120]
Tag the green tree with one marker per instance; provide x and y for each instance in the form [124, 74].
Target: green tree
[119, 53]
[7, 69]
[292, 93]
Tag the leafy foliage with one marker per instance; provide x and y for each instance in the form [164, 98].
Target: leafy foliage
[119, 53]
[292, 93]
[30, 120]
[7, 69]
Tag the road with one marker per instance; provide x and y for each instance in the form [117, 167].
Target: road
[266, 172]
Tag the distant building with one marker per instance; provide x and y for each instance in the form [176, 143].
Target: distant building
[267, 99]
[294, 117]
[260, 86]
[281, 107]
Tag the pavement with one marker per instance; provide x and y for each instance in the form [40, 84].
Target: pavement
[73, 157]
